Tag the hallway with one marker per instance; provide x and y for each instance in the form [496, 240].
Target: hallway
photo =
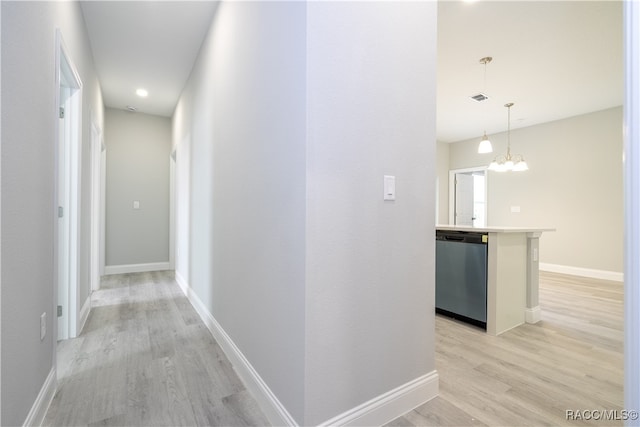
[145, 358]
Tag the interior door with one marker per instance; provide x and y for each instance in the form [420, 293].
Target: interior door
[464, 199]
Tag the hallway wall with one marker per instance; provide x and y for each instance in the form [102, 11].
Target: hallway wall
[293, 113]
[243, 113]
[28, 177]
[371, 85]
[138, 148]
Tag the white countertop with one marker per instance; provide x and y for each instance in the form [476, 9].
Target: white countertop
[493, 229]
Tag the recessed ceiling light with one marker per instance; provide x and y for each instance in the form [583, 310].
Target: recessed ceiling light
[142, 93]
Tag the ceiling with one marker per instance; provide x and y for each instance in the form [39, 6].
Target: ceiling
[552, 59]
[148, 44]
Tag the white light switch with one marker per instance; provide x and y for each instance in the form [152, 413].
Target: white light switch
[515, 209]
[136, 204]
[389, 187]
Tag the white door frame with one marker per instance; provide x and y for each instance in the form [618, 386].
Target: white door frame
[68, 79]
[452, 190]
[631, 207]
[103, 211]
[172, 209]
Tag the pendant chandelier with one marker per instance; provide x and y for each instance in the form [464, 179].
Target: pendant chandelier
[508, 162]
[485, 144]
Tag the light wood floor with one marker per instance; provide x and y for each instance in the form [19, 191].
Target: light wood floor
[530, 376]
[145, 358]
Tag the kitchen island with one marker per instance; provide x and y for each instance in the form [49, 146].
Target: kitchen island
[512, 274]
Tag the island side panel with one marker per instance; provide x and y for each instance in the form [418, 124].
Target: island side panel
[507, 281]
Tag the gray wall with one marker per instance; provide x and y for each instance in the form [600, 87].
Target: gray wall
[138, 149]
[28, 177]
[370, 263]
[243, 115]
[583, 199]
[282, 136]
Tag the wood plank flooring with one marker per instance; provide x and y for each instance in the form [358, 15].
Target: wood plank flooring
[530, 376]
[146, 359]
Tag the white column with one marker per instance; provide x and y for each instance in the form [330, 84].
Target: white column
[632, 206]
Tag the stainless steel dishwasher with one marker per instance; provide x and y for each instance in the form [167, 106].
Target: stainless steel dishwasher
[461, 276]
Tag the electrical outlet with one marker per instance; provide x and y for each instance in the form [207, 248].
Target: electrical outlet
[43, 325]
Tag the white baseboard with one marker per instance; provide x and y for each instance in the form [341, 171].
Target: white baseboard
[389, 406]
[184, 285]
[377, 411]
[532, 315]
[275, 412]
[583, 272]
[84, 315]
[136, 268]
[43, 400]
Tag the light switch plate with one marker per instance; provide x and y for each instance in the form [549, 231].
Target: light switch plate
[136, 204]
[389, 187]
[515, 209]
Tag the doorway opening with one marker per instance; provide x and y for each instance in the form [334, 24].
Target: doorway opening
[69, 103]
[468, 197]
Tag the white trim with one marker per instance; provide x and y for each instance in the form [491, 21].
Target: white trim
[1, 232]
[67, 76]
[103, 198]
[136, 268]
[631, 36]
[452, 191]
[390, 405]
[583, 272]
[172, 210]
[377, 411]
[533, 314]
[84, 314]
[182, 283]
[275, 412]
[43, 400]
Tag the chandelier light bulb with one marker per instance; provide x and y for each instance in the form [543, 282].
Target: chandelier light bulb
[508, 162]
[485, 145]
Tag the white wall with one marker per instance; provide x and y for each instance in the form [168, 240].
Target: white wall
[293, 113]
[243, 114]
[370, 263]
[442, 164]
[138, 150]
[583, 200]
[28, 177]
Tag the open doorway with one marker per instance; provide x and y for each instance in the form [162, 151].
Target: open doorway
[69, 103]
[468, 197]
